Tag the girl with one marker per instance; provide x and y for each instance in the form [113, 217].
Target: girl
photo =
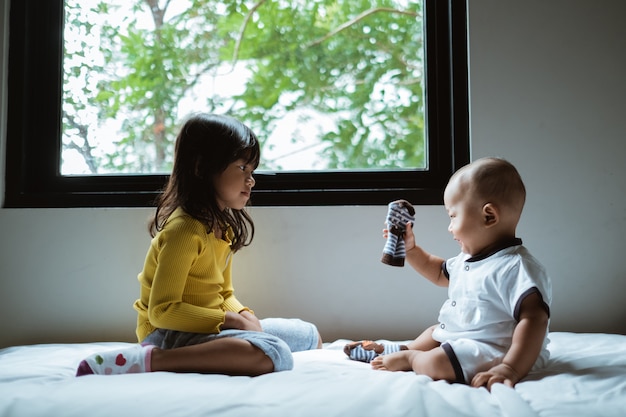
[189, 319]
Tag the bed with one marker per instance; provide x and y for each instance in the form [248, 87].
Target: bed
[586, 376]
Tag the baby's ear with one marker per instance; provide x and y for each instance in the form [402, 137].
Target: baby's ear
[490, 214]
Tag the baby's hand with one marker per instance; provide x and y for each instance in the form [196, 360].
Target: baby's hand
[501, 373]
[409, 237]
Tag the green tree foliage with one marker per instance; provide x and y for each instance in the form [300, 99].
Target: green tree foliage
[358, 62]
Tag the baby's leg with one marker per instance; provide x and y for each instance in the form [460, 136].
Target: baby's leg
[424, 341]
[433, 363]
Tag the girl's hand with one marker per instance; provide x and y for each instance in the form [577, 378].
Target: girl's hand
[243, 321]
[252, 320]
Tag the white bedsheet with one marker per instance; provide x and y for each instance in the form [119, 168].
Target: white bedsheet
[586, 377]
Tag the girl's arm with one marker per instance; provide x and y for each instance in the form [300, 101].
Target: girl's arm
[527, 342]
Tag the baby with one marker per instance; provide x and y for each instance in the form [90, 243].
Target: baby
[493, 327]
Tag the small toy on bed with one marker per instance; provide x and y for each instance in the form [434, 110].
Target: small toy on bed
[366, 350]
[399, 213]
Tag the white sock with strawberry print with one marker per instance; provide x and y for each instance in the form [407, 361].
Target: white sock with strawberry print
[121, 361]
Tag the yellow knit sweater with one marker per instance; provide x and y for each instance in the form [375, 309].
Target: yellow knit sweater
[186, 279]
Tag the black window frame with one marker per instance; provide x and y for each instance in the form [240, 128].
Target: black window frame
[33, 150]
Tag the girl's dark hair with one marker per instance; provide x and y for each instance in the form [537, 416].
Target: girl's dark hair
[205, 146]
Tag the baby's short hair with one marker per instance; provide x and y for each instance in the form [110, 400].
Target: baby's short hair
[495, 180]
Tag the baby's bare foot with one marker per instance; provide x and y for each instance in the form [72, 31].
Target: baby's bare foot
[399, 361]
[377, 363]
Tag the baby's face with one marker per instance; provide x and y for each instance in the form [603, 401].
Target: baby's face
[467, 223]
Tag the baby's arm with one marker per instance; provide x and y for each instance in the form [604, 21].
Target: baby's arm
[527, 342]
[427, 265]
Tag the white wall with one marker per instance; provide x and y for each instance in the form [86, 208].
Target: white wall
[547, 92]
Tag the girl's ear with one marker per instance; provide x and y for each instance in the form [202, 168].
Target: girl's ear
[491, 214]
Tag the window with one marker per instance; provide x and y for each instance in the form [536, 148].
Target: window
[34, 177]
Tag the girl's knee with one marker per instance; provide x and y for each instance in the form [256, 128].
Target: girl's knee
[320, 342]
[298, 334]
[276, 349]
[283, 360]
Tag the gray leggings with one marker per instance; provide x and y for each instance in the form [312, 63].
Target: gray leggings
[278, 339]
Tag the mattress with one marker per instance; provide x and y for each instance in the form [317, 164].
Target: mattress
[586, 376]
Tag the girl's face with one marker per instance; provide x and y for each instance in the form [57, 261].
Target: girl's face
[234, 185]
